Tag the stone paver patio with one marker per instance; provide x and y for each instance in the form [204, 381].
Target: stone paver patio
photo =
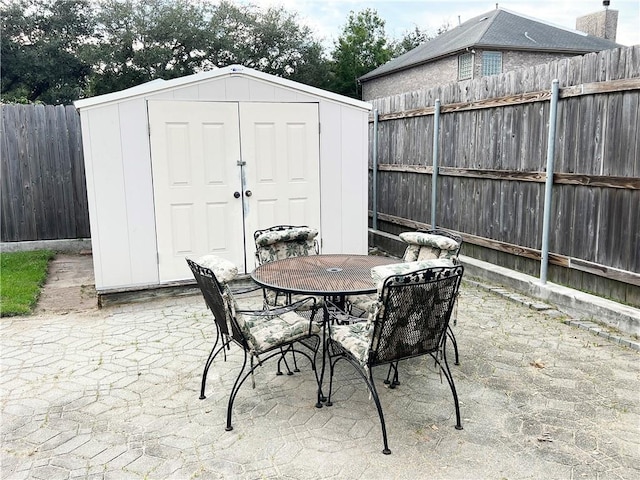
[113, 394]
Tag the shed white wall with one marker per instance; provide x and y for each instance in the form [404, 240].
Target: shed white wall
[119, 177]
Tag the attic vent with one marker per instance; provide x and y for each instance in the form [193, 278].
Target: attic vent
[483, 19]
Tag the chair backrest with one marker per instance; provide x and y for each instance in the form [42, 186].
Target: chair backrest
[413, 313]
[284, 241]
[430, 244]
[220, 301]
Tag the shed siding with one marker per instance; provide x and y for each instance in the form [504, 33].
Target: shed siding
[136, 164]
[119, 176]
[106, 197]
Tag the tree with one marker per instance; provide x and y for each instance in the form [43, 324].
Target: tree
[141, 40]
[413, 38]
[361, 47]
[40, 45]
[410, 40]
[271, 41]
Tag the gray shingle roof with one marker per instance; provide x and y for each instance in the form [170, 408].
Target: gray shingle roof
[499, 29]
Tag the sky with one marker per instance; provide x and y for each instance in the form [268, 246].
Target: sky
[327, 17]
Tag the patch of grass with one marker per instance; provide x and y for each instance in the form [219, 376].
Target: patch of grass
[22, 275]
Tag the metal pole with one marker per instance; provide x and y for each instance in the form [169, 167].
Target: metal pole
[548, 186]
[374, 222]
[434, 177]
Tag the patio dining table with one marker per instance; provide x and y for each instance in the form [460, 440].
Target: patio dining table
[331, 276]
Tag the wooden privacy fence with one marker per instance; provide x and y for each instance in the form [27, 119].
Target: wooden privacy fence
[44, 194]
[492, 157]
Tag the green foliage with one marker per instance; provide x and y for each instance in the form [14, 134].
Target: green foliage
[139, 41]
[22, 274]
[414, 38]
[41, 42]
[57, 51]
[270, 40]
[361, 47]
[410, 40]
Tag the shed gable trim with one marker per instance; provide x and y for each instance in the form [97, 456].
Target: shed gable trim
[156, 86]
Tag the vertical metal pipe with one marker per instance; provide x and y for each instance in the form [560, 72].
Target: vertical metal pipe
[548, 186]
[374, 160]
[434, 177]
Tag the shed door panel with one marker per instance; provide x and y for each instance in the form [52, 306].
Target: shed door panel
[195, 147]
[281, 152]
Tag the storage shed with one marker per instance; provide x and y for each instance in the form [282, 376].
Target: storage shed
[196, 164]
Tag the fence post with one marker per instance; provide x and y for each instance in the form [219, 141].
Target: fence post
[374, 160]
[548, 186]
[434, 177]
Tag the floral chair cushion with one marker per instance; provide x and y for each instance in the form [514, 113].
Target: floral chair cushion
[265, 331]
[367, 303]
[224, 270]
[293, 242]
[424, 246]
[356, 338]
[382, 272]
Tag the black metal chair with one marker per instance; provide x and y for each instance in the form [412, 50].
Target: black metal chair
[416, 252]
[419, 247]
[261, 334]
[411, 319]
[280, 242]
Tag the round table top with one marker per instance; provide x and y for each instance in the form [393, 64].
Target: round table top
[332, 274]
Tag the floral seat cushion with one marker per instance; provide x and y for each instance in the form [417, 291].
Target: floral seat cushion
[355, 338]
[424, 246]
[293, 242]
[265, 331]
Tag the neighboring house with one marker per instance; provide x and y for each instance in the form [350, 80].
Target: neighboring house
[489, 44]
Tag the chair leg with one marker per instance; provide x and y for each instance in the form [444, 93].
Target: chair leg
[212, 356]
[374, 393]
[243, 374]
[452, 337]
[283, 358]
[447, 373]
[372, 387]
[394, 382]
[234, 391]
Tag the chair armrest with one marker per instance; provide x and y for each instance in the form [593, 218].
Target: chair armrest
[336, 314]
[280, 310]
[240, 290]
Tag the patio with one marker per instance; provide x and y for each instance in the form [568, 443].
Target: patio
[113, 394]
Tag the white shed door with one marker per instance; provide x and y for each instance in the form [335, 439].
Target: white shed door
[223, 170]
[281, 152]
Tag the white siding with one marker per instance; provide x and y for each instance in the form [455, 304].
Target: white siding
[119, 176]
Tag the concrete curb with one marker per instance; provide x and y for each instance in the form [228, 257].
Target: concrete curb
[73, 245]
[589, 308]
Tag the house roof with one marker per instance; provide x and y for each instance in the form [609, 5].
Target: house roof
[498, 29]
[158, 85]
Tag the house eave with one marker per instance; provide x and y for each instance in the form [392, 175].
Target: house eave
[503, 48]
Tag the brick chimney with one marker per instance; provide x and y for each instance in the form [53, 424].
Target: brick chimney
[603, 24]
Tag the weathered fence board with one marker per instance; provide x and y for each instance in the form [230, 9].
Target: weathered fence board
[44, 193]
[493, 147]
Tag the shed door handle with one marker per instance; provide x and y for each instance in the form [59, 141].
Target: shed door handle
[236, 194]
[248, 193]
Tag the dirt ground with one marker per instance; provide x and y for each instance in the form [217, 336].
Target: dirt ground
[70, 285]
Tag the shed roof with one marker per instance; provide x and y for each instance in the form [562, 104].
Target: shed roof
[155, 86]
[498, 29]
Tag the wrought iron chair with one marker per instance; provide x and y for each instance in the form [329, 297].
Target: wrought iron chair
[410, 319]
[261, 334]
[422, 245]
[280, 242]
